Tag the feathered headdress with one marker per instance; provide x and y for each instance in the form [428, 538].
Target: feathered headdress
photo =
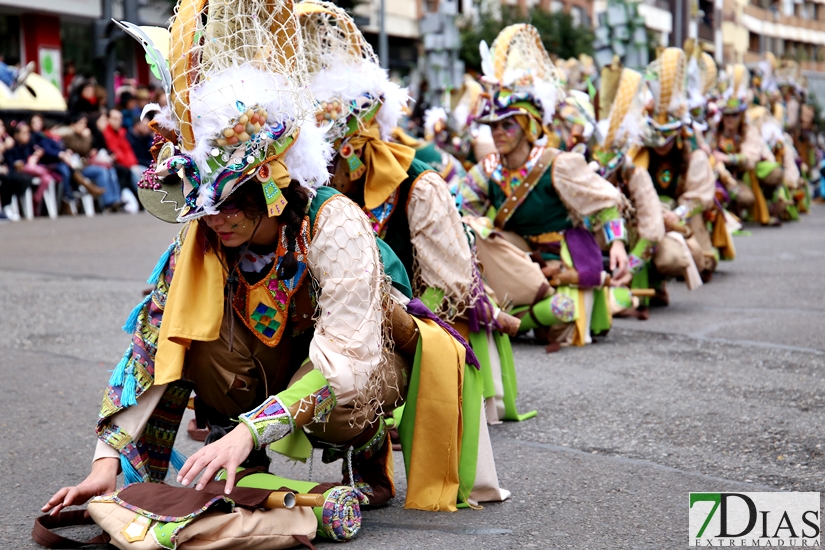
[345, 75]
[624, 125]
[239, 109]
[520, 76]
[737, 90]
[665, 78]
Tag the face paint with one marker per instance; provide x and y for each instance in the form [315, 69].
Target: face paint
[507, 134]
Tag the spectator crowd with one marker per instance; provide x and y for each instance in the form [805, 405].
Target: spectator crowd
[90, 150]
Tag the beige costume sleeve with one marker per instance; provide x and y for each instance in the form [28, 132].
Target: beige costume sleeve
[753, 148]
[132, 420]
[700, 182]
[443, 256]
[789, 164]
[582, 191]
[649, 221]
[344, 260]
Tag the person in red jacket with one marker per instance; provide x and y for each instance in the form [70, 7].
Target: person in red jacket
[117, 142]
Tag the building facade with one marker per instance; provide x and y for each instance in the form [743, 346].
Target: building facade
[54, 34]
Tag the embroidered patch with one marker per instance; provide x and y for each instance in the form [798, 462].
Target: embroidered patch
[269, 422]
[563, 307]
[265, 322]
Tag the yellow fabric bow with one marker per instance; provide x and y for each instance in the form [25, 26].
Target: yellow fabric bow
[194, 307]
[386, 164]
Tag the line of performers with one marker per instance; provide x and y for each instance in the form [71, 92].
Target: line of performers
[329, 286]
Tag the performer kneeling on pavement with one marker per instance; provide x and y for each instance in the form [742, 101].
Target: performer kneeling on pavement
[272, 303]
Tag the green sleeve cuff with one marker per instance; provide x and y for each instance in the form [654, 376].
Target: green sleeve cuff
[272, 420]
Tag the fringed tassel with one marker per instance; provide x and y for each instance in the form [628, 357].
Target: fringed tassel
[131, 323]
[164, 259]
[177, 460]
[118, 375]
[128, 397]
[130, 475]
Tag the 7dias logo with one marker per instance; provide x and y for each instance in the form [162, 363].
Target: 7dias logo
[768, 520]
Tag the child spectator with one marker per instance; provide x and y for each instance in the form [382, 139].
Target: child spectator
[92, 163]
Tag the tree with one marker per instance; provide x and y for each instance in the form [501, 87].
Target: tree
[560, 36]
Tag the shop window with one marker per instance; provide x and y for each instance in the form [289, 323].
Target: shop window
[10, 38]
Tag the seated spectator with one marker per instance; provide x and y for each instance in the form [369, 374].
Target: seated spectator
[86, 99]
[54, 157]
[140, 137]
[11, 183]
[24, 157]
[93, 164]
[118, 145]
[129, 109]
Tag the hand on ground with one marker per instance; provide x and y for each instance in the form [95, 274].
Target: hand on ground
[227, 452]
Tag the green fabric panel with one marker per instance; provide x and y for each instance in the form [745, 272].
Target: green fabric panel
[608, 214]
[508, 379]
[623, 296]
[394, 268]
[309, 383]
[322, 195]
[542, 311]
[640, 248]
[470, 421]
[541, 212]
[432, 297]
[428, 154]
[600, 320]
[397, 234]
[478, 341]
[407, 424]
[397, 416]
[642, 280]
[295, 446]
[565, 254]
[765, 167]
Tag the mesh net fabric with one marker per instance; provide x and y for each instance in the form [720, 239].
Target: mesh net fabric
[351, 315]
[228, 53]
[518, 52]
[665, 76]
[331, 37]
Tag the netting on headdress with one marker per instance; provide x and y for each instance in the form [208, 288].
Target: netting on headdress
[518, 61]
[345, 75]
[738, 83]
[229, 57]
[665, 77]
[624, 125]
[710, 74]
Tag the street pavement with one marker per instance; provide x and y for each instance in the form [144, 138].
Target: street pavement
[722, 391]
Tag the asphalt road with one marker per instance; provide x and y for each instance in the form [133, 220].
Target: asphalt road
[724, 390]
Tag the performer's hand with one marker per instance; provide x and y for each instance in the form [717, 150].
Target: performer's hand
[102, 480]
[618, 260]
[227, 452]
[623, 280]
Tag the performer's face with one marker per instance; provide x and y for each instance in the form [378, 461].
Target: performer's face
[666, 148]
[231, 225]
[507, 134]
[731, 123]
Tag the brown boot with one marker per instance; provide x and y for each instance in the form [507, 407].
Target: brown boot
[85, 182]
[373, 470]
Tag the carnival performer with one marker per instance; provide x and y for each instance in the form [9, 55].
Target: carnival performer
[682, 176]
[547, 202]
[273, 302]
[654, 255]
[410, 208]
[738, 148]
